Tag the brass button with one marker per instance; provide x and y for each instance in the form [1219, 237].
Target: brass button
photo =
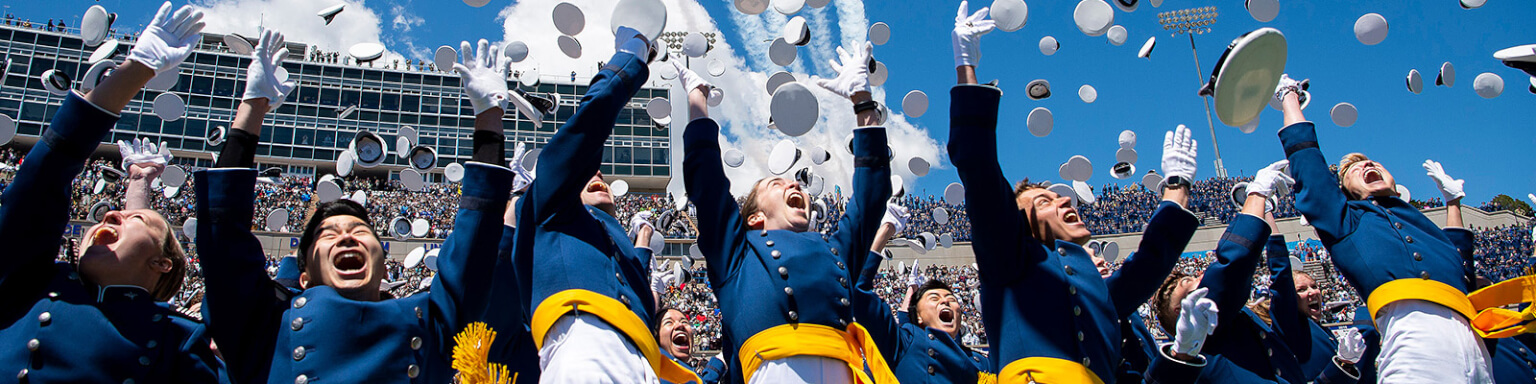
[834, 251]
[843, 281]
[301, 380]
[775, 254]
[298, 353]
[152, 344]
[844, 302]
[794, 316]
[416, 343]
[789, 291]
[53, 295]
[930, 336]
[44, 318]
[1424, 275]
[1263, 335]
[1079, 335]
[1072, 290]
[784, 272]
[1061, 250]
[297, 323]
[33, 344]
[1397, 225]
[1269, 352]
[158, 317]
[1409, 238]
[842, 322]
[624, 299]
[22, 374]
[1070, 272]
[930, 369]
[144, 360]
[1077, 310]
[841, 266]
[764, 233]
[1417, 257]
[418, 312]
[299, 303]
[1086, 361]
[932, 352]
[412, 371]
[769, 243]
[617, 276]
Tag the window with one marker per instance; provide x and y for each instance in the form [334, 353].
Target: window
[389, 102]
[410, 103]
[350, 97]
[370, 100]
[282, 135]
[224, 87]
[202, 85]
[330, 97]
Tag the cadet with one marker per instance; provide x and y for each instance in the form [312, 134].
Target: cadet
[1409, 270]
[925, 347]
[1296, 302]
[784, 290]
[1049, 317]
[340, 327]
[569, 243]
[103, 320]
[1243, 349]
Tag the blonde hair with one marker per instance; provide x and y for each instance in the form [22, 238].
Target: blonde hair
[1261, 307]
[170, 282]
[1344, 164]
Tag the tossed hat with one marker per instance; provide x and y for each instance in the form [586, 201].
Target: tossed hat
[1111, 251]
[733, 157]
[366, 52]
[277, 219]
[516, 51]
[56, 82]
[1122, 170]
[1447, 75]
[96, 74]
[1125, 155]
[1040, 122]
[1488, 85]
[1064, 190]
[163, 81]
[99, 211]
[1093, 17]
[1152, 180]
[444, 57]
[778, 79]
[1263, 10]
[568, 18]
[1087, 93]
[1371, 29]
[1078, 168]
[104, 51]
[189, 228]
[454, 172]
[569, 46]
[794, 32]
[173, 176]
[369, 149]
[1146, 48]
[809, 180]
[751, 7]
[400, 228]
[915, 104]
[781, 52]
[327, 190]
[695, 45]
[783, 157]
[794, 109]
[412, 180]
[344, 162]
[1127, 139]
[170, 107]
[95, 25]
[716, 68]
[918, 165]
[1038, 89]
[1010, 15]
[1127, 6]
[879, 33]
[648, 17]
[1471, 4]
[7, 129]
[1084, 192]
[1246, 76]
[329, 13]
[1415, 82]
[241, 45]
[1049, 45]
[1344, 114]
[619, 188]
[954, 193]
[1116, 35]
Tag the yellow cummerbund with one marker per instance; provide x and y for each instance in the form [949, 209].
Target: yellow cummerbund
[1419, 289]
[852, 346]
[615, 314]
[1044, 370]
[1493, 322]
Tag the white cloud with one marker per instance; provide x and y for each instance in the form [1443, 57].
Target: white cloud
[297, 21]
[743, 114]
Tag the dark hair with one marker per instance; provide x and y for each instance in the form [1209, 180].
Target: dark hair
[662, 314]
[917, 296]
[1166, 317]
[341, 207]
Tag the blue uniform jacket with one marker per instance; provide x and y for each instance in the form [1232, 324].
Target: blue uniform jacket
[513, 347]
[1138, 348]
[59, 328]
[1313, 345]
[1514, 359]
[266, 334]
[1045, 299]
[1376, 240]
[564, 245]
[770, 278]
[916, 354]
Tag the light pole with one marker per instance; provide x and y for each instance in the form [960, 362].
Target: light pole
[1191, 22]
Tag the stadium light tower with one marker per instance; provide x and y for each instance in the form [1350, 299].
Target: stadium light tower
[1191, 22]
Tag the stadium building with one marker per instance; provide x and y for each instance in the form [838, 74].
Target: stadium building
[335, 99]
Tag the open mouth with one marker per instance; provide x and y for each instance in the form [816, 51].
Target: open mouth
[680, 340]
[796, 200]
[1315, 307]
[598, 186]
[946, 316]
[1371, 176]
[349, 263]
[1071, 217]
[103, 236]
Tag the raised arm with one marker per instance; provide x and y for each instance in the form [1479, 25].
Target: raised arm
[873, 312]
[1168, 231]
[574, 153]
[1455, 229]
[1318, 196]
[1230, 277]
[36, 203]
[242, 304]
[720, 223]
[871, 154]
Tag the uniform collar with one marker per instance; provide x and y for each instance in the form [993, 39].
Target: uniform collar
[122, 293]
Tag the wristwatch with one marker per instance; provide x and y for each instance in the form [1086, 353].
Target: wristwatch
[1177, 182]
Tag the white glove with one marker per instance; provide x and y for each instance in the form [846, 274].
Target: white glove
[1271, 179]
[1449, 188]
[896, 215]
[169, 39]
[521, 177]
[485, 81]
[1351, 345]
[965, 39]
[640, 219]
[690, 79]
[630, 41]
[261, 76]
[1179, 154]
[1288, 85]
[144, 151]
[659, 278]
[1197, 319]
[852, 74]
[915, 277]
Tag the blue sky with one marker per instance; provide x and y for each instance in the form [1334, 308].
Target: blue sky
[1485, 141]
